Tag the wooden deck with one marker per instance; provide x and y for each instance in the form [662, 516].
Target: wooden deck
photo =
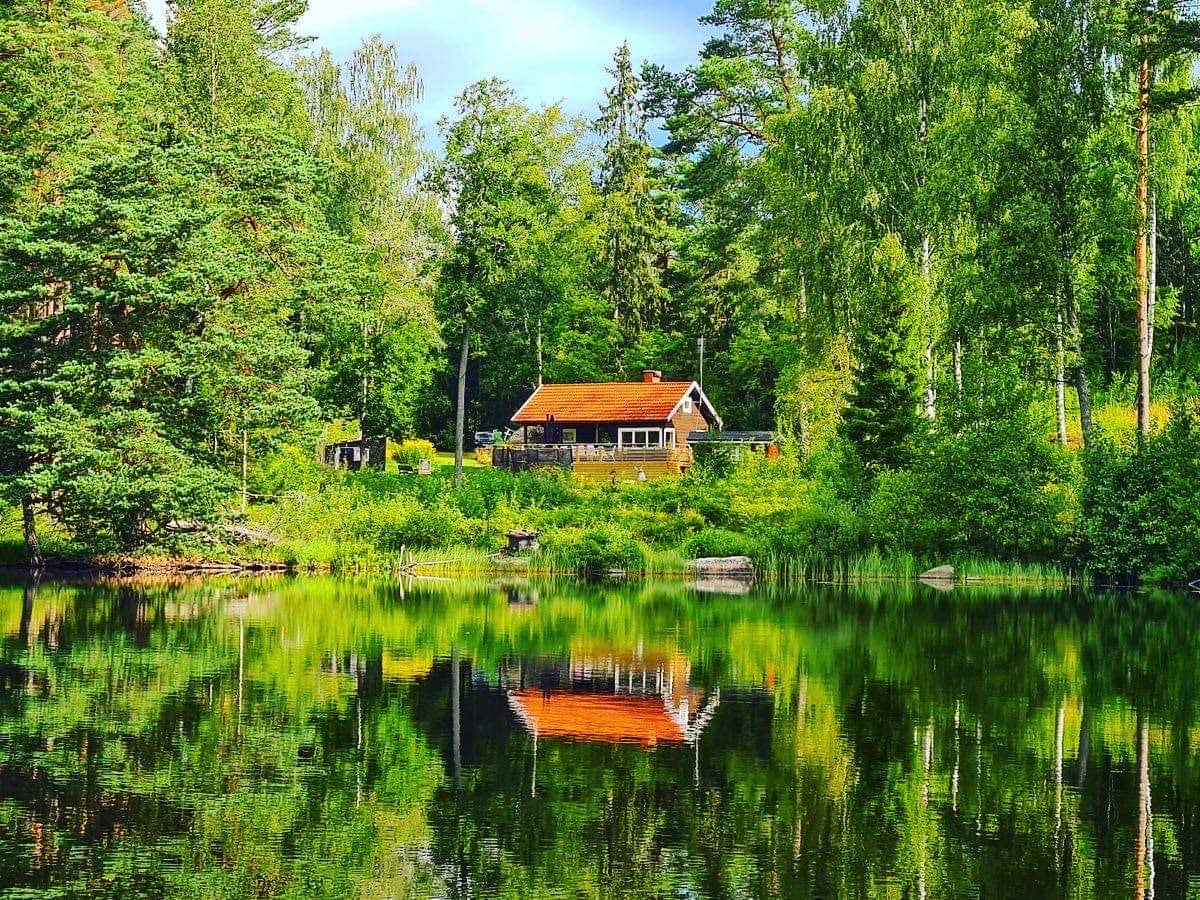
[599, 463]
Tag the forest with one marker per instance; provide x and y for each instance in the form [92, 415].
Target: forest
[946, 250]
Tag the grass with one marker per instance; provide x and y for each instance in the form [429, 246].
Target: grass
[445, 460]
[874, 565]
[322, 520]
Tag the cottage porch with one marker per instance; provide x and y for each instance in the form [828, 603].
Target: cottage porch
[596, 462]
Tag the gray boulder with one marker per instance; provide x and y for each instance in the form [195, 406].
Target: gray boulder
[722, 567]
[938, 573]
[732, 587]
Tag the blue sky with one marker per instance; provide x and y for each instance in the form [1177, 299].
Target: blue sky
[549, 50]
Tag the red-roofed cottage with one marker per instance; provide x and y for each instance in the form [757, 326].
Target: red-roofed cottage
[646, 413]
[643, 425]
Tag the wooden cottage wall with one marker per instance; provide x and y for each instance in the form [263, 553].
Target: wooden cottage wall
[685, 423]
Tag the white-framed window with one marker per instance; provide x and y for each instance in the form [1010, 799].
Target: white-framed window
[669, 437]
[687, 404]
[639, 437]
[569, 436]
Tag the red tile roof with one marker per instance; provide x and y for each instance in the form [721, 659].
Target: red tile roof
[635, 401]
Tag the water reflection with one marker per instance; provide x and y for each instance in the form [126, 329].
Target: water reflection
[333, 738]
[609, 695]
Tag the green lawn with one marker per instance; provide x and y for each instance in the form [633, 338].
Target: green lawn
[447, 459]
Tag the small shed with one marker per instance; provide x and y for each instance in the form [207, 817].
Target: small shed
[519, 541]
[362, 453]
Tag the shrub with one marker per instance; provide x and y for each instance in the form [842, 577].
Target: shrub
[289, 470]
[712, 460]
[830, 529]
[985, 481]
[596, 551]
[116, 482]
[718, 542]
[406, 524]
[662, 529]
[1141, 518]
[410, 452]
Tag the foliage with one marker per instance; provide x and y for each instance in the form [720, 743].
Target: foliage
[115, 482]
[902, 230]
[172, 273]
[880, 416]
[718, 542]
[410, 452]
[595, 551]
[634, 234]
[1140, 516]
[986, 480]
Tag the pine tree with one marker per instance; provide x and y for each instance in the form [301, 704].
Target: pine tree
[634, 230]
[880, 415]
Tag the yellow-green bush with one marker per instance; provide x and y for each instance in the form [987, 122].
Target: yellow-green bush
[410, 452]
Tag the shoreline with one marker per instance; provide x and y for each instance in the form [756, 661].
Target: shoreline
[522, 565]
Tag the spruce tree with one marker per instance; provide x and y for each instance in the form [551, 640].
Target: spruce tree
[634, 231]
[880, 414]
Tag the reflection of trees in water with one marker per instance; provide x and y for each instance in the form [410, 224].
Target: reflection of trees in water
[915, 743]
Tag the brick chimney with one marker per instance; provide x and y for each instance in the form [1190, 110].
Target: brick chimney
[651, 376]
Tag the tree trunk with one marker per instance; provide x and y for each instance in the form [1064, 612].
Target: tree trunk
[930, 372]
[1075, 342]
[245, 458]
[1141, 244]
[366, 384]
[1143, 845]
[33, 548]
[539, 351]
[927, 273]
[460, 412]
[1152, 285]
[1060, 382]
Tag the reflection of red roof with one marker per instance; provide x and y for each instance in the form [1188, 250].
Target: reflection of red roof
[596, 717]
[636, 401]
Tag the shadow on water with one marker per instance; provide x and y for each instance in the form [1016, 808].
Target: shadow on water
[321, 737]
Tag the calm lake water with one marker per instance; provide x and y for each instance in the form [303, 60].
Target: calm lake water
[325, 738]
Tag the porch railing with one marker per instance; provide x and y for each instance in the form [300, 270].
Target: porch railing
[525, 456]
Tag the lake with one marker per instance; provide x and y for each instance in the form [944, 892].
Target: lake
[316, 737]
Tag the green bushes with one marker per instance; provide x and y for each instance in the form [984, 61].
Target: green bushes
[595, 551]
[116, 484]
[401, 523]
[984, 481]
[718, 542]
[831, 530]
[1141, 510]
[410, 452]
